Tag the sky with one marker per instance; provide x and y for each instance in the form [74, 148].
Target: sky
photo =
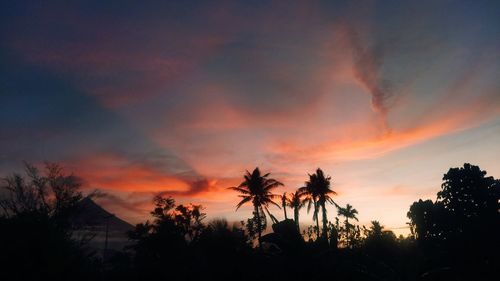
[180, 98]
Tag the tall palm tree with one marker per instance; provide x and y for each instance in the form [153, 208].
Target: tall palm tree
[318, 193]
[311, 197]
[349, 213]
[256, 188]
[296, 203]
[283, 203]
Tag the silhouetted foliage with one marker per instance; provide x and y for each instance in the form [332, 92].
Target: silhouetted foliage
[35, 227]
[427, 220]
[253, 227]
[161, 243]
[379, 240]
[222, 251]
[53, 194]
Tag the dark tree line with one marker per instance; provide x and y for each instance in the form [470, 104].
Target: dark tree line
[459, 232]
[455, 237]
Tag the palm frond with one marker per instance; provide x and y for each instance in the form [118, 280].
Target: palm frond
[243, 184]
[245, 200]
[309, 203]
[269, 201]
[273, 218]
[270, 184]
[239, 189]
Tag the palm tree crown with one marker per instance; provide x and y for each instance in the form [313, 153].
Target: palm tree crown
[256, 188]
[348, 212]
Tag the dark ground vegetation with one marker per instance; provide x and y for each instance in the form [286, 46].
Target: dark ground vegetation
[455, 237]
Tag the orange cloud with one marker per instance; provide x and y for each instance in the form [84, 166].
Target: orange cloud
[116, 172]
[349, 149]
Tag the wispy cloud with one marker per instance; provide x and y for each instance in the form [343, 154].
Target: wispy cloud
[367, 64]
[180, 100]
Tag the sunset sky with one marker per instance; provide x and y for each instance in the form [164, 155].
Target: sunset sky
[182, 98]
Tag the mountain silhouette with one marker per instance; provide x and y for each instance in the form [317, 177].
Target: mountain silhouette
[91, 214]
[92, 222]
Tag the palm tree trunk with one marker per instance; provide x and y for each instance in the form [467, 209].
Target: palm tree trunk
[347, 232]
[296, 217]
[259, 225]
[316, 211]
[284, 210]
[325, 220]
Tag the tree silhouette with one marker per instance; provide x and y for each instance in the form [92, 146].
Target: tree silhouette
[256, 188]
[311, 197]
[296, 203]
[317, 189]
[54, 194]
[219, 244]
[36, 212]
[461, 228]
[376, 233]
[165, 243]
[427, 220]
[375, 230]
[467, 200]
[189, 218]
[468, 194]
[349, 213]
[253, 226]
[284, 201]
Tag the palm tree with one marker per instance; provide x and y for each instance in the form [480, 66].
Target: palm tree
[295, 202]
[311, 196]
[318, 193]
[256, 188]
[349, 213]
[376, 229]
[283, 203]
